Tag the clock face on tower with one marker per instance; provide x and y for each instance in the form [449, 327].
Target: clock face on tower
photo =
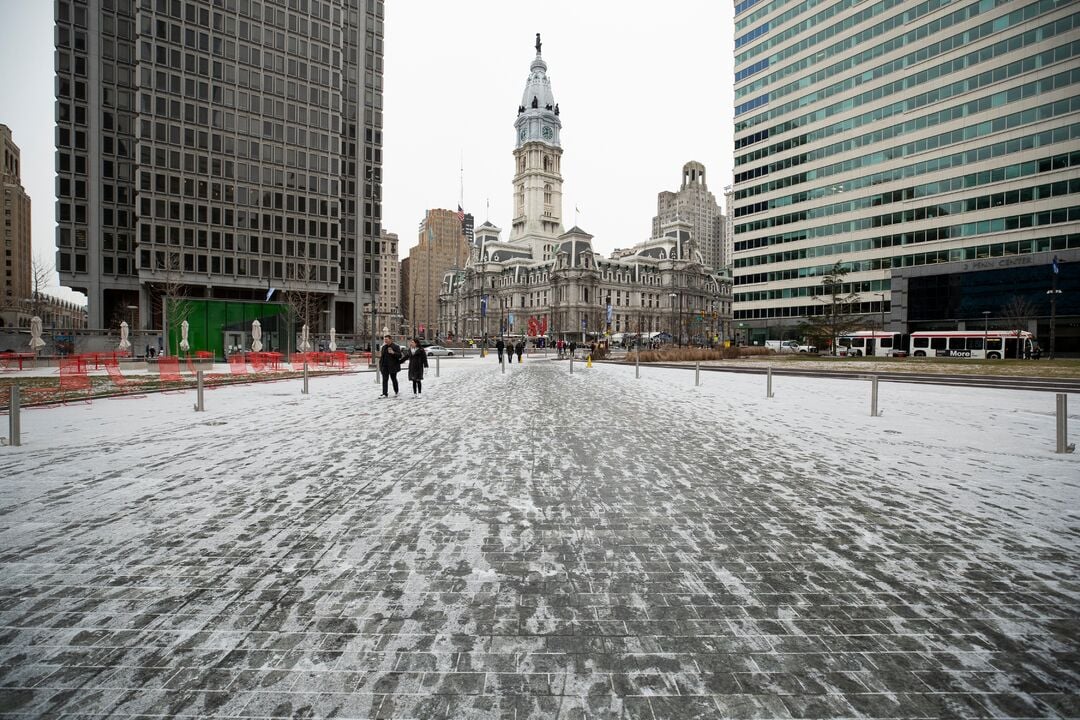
[547, 133]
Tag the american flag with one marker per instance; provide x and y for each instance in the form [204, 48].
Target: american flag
[460, 214]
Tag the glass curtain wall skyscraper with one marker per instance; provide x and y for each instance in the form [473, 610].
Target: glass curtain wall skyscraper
[225, 147]
[894, 134]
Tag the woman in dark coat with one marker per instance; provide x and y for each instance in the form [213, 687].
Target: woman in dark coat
[519, 349]
[417, 363]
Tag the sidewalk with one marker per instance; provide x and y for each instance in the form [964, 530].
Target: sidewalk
[537, 544]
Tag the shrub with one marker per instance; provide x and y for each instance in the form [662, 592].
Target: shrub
[691, 354]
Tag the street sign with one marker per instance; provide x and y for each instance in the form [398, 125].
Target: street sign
[583, 324]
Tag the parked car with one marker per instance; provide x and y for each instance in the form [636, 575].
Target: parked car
[433, 350]
[808, 348]
[782, 346]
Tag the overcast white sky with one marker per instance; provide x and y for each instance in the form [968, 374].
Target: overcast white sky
[640, 94]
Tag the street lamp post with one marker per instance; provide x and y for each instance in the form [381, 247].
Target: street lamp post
[673, 327]
[986, 329]
[882, 307]
[131, 323]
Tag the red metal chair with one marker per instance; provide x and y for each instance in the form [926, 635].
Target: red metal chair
[238, 365]
[74, 385]
[169, 369]
[127, 385]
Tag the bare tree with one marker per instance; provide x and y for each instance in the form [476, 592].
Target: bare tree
[41, 278]
[304, 304]
[837, 319]
[1018, 312]
[169, 296]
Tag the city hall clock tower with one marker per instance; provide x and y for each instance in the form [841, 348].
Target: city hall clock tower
[537, 165]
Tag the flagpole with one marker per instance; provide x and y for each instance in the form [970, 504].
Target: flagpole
[1053, 305]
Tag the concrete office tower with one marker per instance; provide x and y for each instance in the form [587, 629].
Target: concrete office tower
[916, 145]
[16, 284]
[219, 148]
[694, 203]
[441, 246]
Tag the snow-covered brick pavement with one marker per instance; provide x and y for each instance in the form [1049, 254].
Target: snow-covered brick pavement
[538, 544]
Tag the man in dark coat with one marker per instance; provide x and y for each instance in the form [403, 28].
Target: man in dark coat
[519, 349]
[499, 348]
[390, 357]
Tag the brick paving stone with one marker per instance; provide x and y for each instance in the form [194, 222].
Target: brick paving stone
[532, 545]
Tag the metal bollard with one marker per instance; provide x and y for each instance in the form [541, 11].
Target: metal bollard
[637, 365]
[697, 374]
[199, 406]
[571, 364]
[502, 364]
[768, 383]
[305, 390]
[1063, 445]
[873, 397]
[436, 366]
[14, 426]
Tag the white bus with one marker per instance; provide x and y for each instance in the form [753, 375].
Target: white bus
[976, 344]
[870, 342]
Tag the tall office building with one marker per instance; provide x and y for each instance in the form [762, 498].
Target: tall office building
[388, 270]
[931, 148]
[441, 246]
[16, 285]
[218, 149]
[695, 204]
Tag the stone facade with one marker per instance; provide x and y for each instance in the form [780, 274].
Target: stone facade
[388, 305]
[543, 281]
[697, 205]
[16, 283]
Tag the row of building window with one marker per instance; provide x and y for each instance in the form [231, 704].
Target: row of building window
[925, 52]
[974, 252]
[810, 59]
[986, 152]
[953, 232]
[969, 83]
[939, 117]
[955, 207]
[955, 184]
[809, 40]
[865, 286]
[990, 126]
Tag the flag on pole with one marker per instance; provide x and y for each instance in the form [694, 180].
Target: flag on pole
[270, 294]
[460, 214]
[1055, 263]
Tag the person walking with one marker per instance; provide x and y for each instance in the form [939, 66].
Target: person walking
[417, 363]
[499, 346]
[390, 357]
[519, 349]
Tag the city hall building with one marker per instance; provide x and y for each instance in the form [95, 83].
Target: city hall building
[931, 148]
[544, 280]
